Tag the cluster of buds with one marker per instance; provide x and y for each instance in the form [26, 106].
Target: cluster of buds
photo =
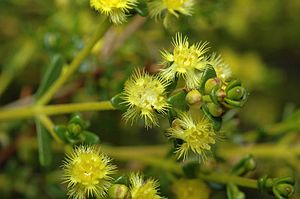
[280, 187]
[75, 132]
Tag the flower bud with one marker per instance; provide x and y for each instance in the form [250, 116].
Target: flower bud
[215, 110]
[236, 93]
[194, 98]
[284, 190]
[244, 165]
[119, 191]
[210, 84]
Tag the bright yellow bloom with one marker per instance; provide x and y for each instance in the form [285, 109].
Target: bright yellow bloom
[197, 135]
[175, 7]
[223, 70]
[145, 95]
[87, 171]
[186, 61]
[141, 189]
[115, 9]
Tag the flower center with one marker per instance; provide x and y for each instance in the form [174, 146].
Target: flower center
[149, 94]
[185, 58]
[87, 169]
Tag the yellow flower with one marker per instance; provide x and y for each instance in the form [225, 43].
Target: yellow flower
[186, 61]
[115, 9]
[87, 171]
[223, 70]
[197, 135]
[141, 189]
[145, 95]
[174, 7]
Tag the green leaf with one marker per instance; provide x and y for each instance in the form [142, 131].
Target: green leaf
[44, 144]
[142, 8]
[78, 120]
[52, 72]
[118, 102]
[232, 84]
[208, 73]
[217, 121]
[178, 101]
[90, 138]
[122, 180]
[61, 130]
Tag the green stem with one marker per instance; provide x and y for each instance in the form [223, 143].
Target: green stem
[260, 150]
[69, 70]
[144, 155]
[153, 155]
[31, 111]
[46, 121]
[17, 64]
[223, 178]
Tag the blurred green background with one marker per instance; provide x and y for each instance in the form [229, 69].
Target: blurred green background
[260, 40]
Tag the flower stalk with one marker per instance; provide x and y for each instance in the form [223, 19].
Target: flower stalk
[31, 111]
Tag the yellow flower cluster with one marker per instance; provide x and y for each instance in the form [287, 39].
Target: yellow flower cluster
[141, 189]
[87, 171]
[174, 7]
[115, 9]
[145, 95]
[223, 70]
[186, 60]
[197, 135]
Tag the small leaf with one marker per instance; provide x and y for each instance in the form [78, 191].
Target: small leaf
[76, 118]
[53, 71]
[44, 144]
[217, 121]
[178, 101]
[232, 84]
[118, 102]
[122, 180]
[60, 130]
[142, 8]
[90, 138]
[208, 73]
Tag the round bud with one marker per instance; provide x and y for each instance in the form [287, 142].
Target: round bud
[215, 110]
[285, 190]
[119, 191]
[194, 98]
[210, 84]
[236, 93]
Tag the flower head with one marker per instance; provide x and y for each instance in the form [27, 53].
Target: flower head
[186, 61]
[87, 171]
[223, 70]
[141, 189]
[174, 7]
[115, 9]
[145, 95]
[197, 135]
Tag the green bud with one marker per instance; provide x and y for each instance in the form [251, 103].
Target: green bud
[211, 83]
[236, 93]
[280, 187]
[119, 191]
[233, 192]
[284, 190]
[244, 165]
[194, 98]
[215, 110]
[75, 129]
